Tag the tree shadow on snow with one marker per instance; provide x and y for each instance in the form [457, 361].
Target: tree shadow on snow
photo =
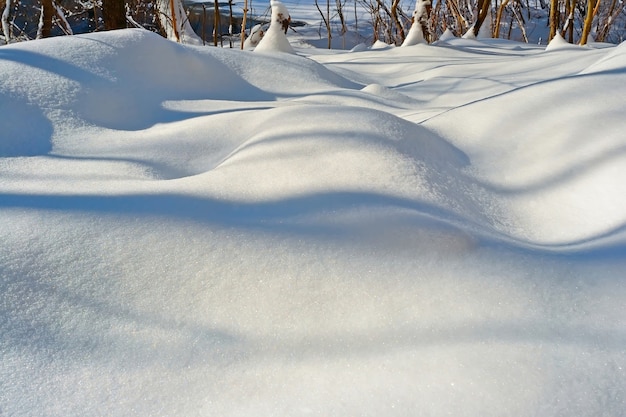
[24, 129]
[127, 98]
[103, 330]
[471, 335]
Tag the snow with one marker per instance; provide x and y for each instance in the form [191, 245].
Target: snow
[446, 36]
[275, 39]
[420, 17]
[558, 42]
[256, 33]
[5, 19]
[191, 231]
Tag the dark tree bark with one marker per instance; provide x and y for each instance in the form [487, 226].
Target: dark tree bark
[592, 9]
[243, 23]
[554, 18]
[47, 11]
[483, 11]
[114, 14]
[396, 20]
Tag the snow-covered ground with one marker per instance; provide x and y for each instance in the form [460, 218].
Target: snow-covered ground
[421, 231]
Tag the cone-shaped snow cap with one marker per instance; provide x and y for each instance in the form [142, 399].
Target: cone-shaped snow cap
[420, 23]
[558, 42]
[275, 39]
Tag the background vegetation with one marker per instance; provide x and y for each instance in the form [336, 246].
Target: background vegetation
[578, 21]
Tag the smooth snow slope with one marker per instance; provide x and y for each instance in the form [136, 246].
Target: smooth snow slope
[421, 231]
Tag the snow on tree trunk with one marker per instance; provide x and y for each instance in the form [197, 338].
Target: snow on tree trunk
[256, 34]
[63, 23]
[275, 39]
[419, 28]
[5, 21]
[447, 35]
[175, 23]
[484, 11]
[482, 27]
[45, 19]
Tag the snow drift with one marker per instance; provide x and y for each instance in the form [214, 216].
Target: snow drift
[428, 230]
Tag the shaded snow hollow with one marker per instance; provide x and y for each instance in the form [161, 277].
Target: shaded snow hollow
[419, 231]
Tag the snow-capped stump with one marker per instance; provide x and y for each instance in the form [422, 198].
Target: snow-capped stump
[275, 39]
[558, 42]
[447, 35]
[419, 27]
[256, 34]
[484, 31]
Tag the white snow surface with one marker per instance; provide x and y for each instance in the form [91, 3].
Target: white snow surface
[275, 39]
[425, 231]
[416, 34]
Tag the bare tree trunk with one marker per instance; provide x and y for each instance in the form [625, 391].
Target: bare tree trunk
[216, 22]
[45, 19]
[203, 24]
[461, 22]
[342, 22]
[520, 22]
[554, 18]
[387, 25]
[243, 23]
[94, 4]
[396, 20]
[174, 23]
[326, 20]
[483, 12]
[568, 28]
[496, 30]
[591, 12]
[114, 14]
[425, 23]
[356, 19]
[376, 18]
[230, 23]
[330, 34]
[6, 28]
[612, 14]
[61, 20]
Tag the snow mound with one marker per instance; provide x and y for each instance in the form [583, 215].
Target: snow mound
[380, 233]
[559, 43]
[386, 93]
[121, 79]
[469, 34]
[360, 149]
[275, 38]
[281, 75]
[20, 138]
[360, 47]
[447, 35]
[109, 79]
[614, 61]
[255, 36]
[380, 45]
[558, 186]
